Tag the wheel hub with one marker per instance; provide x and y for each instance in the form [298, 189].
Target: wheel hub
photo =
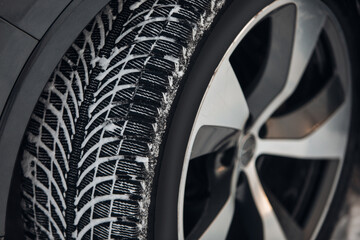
[247, 146]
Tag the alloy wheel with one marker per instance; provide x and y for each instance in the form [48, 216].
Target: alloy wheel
[270, 137]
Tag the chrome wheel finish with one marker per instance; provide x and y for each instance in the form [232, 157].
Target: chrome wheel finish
[237, 127]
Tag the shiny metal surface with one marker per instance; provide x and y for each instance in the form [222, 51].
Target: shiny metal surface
[213, 138]
[315, 112]
[247, 149]
[224, 107]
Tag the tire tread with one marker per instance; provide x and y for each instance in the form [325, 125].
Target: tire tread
[92, 142]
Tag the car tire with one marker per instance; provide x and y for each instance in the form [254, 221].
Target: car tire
[103, 154]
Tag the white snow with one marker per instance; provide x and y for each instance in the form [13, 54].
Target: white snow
[171, 59]
[159, 127]
[92, 224]
[101, 28]
[96, 164]
[96, 200]
[120, 5]
[94, 148]
[144, 160]
[136, 5]
[144, 23]
[93, 184]
[108, 94]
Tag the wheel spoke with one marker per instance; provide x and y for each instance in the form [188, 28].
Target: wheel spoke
[304, 120]
[293, 32]
[223, 112]
[327, 142]
[309, 24]
[290, 227]
[271, 226]
[218, 229]
[277, 66]
[210, 139]
[220, 206]
[221, 116]
[224, 103]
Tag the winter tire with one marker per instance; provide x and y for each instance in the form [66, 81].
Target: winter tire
[194, 119]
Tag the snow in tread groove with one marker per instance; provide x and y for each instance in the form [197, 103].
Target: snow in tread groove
[180, 65]
[62, 126]
[136, 5]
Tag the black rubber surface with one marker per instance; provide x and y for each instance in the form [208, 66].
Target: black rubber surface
[92, 141]
[121, 100]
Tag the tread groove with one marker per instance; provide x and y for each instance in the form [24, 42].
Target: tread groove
[94, 137]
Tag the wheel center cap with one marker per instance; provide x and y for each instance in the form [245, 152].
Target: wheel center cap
[247, 149]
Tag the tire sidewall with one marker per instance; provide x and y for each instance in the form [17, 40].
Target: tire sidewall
[343, 13]
[209, 52]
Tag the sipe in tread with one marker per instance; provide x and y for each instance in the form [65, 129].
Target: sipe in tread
[93, 140]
